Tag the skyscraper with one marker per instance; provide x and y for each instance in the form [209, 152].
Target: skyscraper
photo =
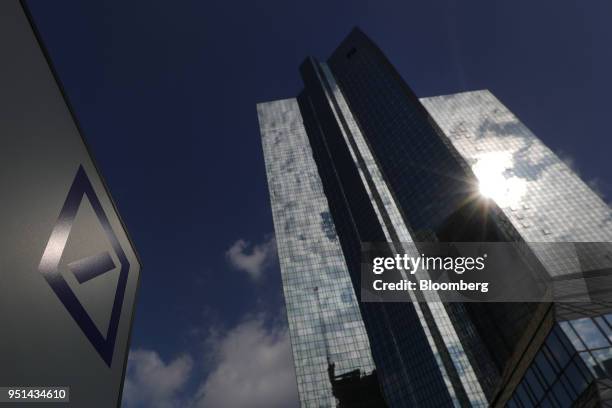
[358, 158]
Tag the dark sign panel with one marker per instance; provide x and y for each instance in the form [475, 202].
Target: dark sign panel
[68, 271]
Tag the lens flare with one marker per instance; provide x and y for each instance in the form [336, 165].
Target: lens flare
[495, 183]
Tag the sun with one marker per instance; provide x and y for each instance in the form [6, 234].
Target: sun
[494, 183]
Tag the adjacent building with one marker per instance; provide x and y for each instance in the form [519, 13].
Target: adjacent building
[357, 157]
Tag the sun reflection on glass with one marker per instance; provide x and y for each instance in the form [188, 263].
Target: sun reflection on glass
[494, 183]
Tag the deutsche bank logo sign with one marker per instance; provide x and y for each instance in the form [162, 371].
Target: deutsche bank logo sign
[85, 269]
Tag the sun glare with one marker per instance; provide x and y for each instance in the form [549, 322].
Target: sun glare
[494, 183]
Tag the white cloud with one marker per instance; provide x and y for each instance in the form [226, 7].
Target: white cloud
[255, 261]
[568, 160]
[250, 366]
[149, 382]
[254, 369]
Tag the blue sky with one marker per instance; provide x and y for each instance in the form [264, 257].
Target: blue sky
[166, 93]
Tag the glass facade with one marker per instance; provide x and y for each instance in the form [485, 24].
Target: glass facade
[540, 195]
[575, 353]
[324, 320]
[556, 378]
[545, 201]
[358, 158]
[440, 372]
[592, 338]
